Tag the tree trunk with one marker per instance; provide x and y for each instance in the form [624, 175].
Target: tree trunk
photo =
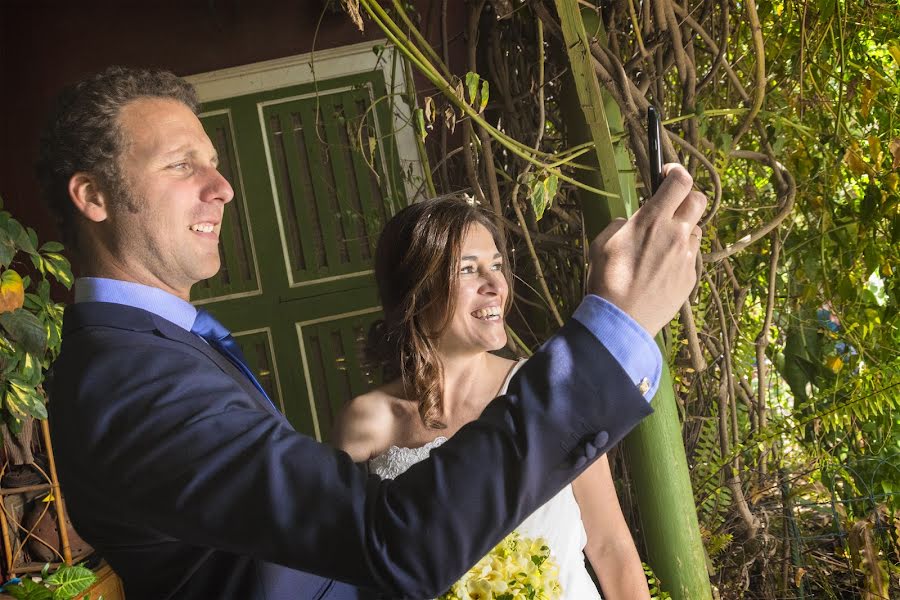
[18, 446]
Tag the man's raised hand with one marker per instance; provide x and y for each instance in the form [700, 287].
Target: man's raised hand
[646, 265]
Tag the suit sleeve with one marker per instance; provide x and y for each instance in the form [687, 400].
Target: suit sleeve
[191, 455]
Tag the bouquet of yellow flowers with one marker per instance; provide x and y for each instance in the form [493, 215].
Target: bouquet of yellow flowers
[516, 569]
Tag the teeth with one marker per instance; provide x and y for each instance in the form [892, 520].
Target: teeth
[491, 313]
[203, 227]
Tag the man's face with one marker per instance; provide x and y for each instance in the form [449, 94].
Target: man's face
[165, 233]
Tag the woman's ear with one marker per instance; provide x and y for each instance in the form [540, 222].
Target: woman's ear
[88, 198]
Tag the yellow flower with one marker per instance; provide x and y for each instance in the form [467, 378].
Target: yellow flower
[517, 568]
[479, 589]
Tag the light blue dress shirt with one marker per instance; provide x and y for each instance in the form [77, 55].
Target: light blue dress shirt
[628, 342]
[166, 305]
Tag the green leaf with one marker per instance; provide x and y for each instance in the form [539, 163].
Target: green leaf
[7, 248]
[472, 80]
[58, 266]
[43, 291]
[826, 9]
[29, 590]
[52, 247]
[13, 423]
[485, 94]
[33, 303]
[25, 328]
[29, 371]
[872, 257]
[373, 145]
[420, 124]
[871, 201]
[23, 402]
[32, 237]
[38, 263]
[71, 581]
[538, 198]
[542, 193]
[551, 184]
[20, 236]
[54, 336]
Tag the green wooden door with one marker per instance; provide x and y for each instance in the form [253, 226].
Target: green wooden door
[315, 174]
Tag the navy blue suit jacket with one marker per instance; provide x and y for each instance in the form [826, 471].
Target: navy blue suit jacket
[192, 485]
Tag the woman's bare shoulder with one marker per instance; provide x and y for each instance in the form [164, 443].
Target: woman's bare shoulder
[367, 424]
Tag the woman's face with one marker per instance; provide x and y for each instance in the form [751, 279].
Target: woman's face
[477, 323]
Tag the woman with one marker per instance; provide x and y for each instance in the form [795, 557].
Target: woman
[444, 288]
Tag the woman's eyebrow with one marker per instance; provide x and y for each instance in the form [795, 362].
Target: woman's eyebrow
[498, 255]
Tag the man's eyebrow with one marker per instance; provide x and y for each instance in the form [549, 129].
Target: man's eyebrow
[187, 150]
[183, 149]
[498, 255]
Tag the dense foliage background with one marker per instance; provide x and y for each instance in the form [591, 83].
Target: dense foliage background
[786, 367]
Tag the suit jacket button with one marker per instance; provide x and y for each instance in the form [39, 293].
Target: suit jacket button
[590, 451]
[580, 462]
[601, 439]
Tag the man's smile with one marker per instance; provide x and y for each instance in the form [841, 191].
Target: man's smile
[205, 227]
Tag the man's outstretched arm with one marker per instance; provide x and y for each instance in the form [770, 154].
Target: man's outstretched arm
[190, 455]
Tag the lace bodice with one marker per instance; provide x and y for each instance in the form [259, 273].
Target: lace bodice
[396, 460]
[558, 521]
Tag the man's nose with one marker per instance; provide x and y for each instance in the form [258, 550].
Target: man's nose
[218, 189]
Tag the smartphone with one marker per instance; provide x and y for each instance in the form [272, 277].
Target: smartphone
[655, 149]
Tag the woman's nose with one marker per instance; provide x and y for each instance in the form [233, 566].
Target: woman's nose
[494, 282]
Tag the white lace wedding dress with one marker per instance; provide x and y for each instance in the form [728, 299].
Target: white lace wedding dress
[558, 521]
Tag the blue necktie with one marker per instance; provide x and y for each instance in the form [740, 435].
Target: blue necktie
[218, 336]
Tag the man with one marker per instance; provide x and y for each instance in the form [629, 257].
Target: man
[178, 470]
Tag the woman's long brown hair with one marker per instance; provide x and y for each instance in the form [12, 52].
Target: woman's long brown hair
[416, 269]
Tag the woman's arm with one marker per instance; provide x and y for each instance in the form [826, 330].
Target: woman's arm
[363, 429]
[610, 547]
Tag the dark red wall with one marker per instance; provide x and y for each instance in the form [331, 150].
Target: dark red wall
[47, 44]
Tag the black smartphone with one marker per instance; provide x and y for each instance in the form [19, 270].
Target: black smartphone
[654, 148]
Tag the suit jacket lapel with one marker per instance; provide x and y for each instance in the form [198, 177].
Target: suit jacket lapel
[120, 316]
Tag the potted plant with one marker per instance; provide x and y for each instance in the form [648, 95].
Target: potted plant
[67, 582]
[30, 339]
[31, 329]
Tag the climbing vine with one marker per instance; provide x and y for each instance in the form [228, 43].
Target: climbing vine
[786, 364]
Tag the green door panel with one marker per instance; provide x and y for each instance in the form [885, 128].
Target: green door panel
[238, 272]
[301, 370]
[334, 367]
[316, 174]
[319, 164]
[258, 349]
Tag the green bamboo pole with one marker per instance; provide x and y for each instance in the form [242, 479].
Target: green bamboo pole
[654, 450]
[592, 110]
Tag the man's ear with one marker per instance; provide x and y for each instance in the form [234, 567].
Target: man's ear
[88, 197]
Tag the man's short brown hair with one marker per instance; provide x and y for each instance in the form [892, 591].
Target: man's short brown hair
[83, 134]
